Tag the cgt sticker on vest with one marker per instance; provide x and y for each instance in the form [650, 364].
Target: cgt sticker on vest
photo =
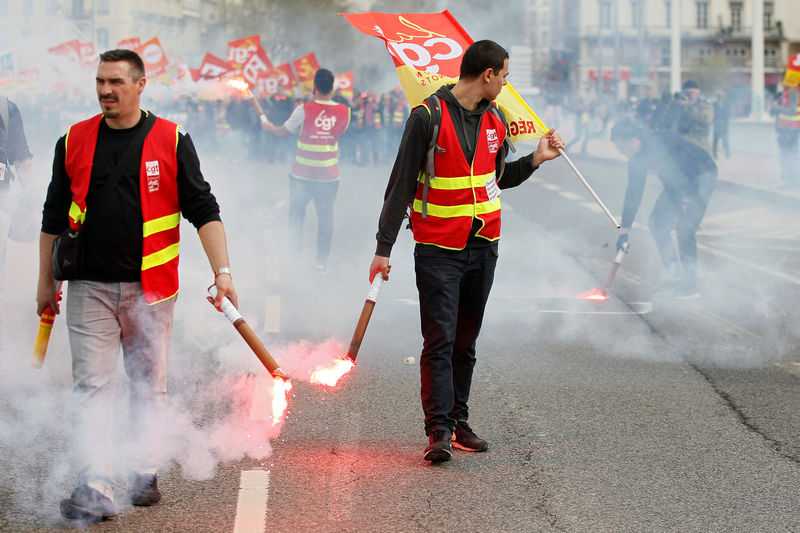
[153, 175]
[492, 140]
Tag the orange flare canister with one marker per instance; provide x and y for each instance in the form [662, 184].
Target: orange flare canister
[366, 314]
[252, 340]
[43, 337]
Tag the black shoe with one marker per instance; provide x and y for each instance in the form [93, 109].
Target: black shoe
[88, 505]
[143, 490]
[466, 439]
[439, 445]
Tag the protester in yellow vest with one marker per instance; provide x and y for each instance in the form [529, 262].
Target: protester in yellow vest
[456, 224]
[123, 188]
[315, 172]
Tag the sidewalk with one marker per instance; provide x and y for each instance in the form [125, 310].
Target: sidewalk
[753, 168]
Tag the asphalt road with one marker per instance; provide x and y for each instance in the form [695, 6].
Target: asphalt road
[633, 414]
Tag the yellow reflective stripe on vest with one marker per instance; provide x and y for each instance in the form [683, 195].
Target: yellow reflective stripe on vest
[461, 182]
[450, 211]
[318, 147]
[161, 224]
[76, 214]
[315, 163]
[160, 257]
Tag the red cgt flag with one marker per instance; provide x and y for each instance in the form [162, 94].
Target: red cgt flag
[240, 50]
[213, 67]
[256, 66]
[154, 57]
[344, 84]
[792, 76]
[306, 67]
[427, 49]
[130, 44]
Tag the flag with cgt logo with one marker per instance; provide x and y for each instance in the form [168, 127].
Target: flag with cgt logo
[427, 49]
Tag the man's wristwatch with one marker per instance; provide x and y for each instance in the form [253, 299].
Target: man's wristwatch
[222, 270]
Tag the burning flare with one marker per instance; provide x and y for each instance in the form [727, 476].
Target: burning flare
[331, 374]
[280, 399]
[239, 84]
[594, 294]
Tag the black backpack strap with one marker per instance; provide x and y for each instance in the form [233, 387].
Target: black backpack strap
[4, 111]
[434, 106]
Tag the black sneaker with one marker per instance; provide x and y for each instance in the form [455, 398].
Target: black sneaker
[143, 490]
[466, 439]
[87, 505]
[439, 445]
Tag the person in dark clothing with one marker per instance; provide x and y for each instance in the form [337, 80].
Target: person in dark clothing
[688, 175]
[124, 296]
[456, 224]
[722, 118]
[647, 110]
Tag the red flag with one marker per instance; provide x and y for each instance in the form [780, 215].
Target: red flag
[255, 66]
[792, 76]
[69, 49]
[286, 77]
[344, 84]
[306, 67]
[87, 50]
[154, 57]
[214, 67]
[130, 44]
[427, 50]
[240, 50]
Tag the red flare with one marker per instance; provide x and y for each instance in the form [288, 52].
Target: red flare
[594, 294]
[280, 398]
[331, 374]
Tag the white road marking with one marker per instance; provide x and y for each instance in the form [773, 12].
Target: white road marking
[730, 327]
[570, 195]
[251, 506]
[755, 266]
[272, 314]
[550, 186]
[791, 367]
[761, 222]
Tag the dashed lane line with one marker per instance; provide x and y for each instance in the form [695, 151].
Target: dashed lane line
[251, 505]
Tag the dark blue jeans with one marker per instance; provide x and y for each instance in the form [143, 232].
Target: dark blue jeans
[453, 289]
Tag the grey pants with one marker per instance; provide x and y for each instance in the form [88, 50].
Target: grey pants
[102, 318]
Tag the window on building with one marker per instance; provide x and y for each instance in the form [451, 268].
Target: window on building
[3, 7]
[736, 16]
[27, 8]
[102, 38]
[77, 8]
[637, 13]
[103, 7]
[668, 18]
[769, 15]
[605, 14]
[702, 14]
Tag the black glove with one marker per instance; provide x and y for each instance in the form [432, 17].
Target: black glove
[622, 242]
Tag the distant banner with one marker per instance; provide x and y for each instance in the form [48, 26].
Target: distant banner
[69, 49]
[154, 57]
[792, 76]
[28, 77]
[256, 66]
[427, 49]
[306, 67]
[130, 44]
[214, 67]
[7, 66]
[240, 50]
[286, 76]
[344, 84]
[87, 51]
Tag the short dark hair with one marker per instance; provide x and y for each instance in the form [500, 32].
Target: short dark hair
[133, 59]
[626, 130]
[323, 81]
[482, 55]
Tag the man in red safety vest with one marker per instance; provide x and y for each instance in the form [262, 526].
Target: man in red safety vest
[788, 130]
[121, 180]
[455, 219]
[315, 173]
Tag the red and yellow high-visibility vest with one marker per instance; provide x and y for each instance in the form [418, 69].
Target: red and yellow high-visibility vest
[158, 188]
[317, 156]
[460, 191]
[786, 121]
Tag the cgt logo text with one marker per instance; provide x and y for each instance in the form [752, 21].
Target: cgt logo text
[521, 127]
[493, 142]
[325, 122]
[153, 175]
